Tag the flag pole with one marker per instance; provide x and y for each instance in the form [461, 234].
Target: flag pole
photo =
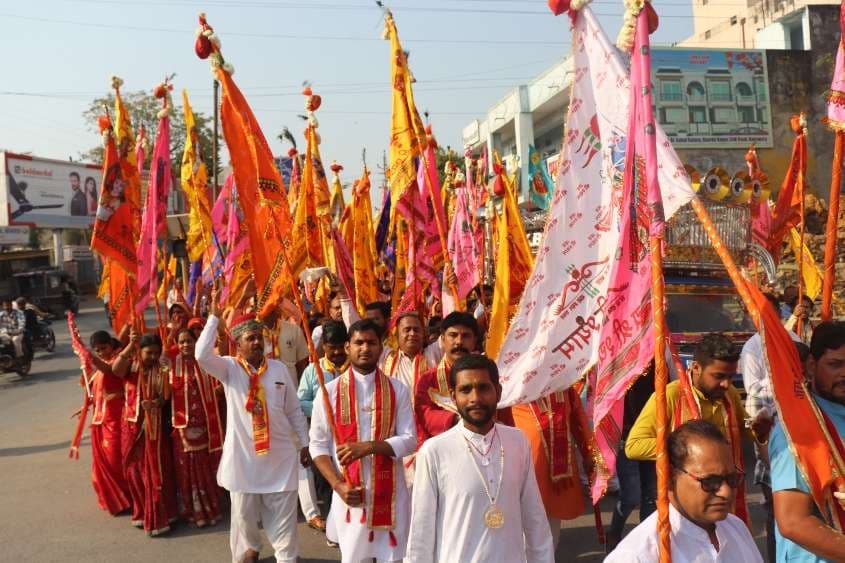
[214, 146]
[802, 159]
[831, 230]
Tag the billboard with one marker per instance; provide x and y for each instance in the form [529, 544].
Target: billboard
[712, 98]
[47, 193]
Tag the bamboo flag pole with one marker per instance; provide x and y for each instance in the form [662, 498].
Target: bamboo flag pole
[802, 168]
[831, 231]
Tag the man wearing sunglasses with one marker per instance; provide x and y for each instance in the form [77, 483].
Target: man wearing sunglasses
[702, 490]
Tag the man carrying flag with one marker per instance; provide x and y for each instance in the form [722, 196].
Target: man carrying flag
[803, 533]
[374, 424]
[259, 465]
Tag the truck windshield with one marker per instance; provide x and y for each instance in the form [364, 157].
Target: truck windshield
[707, 313]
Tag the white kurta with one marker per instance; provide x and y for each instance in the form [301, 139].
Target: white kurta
[240, 468]
[447, 522]
[353, 536]
[404, 369]
[690, 543]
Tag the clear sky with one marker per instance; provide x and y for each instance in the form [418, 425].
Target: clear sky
[465, 55]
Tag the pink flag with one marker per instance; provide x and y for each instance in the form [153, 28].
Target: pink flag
[219, 213]
[463, 251]
[627, 334]
[237, 239]
[153, 221]
[343, 259]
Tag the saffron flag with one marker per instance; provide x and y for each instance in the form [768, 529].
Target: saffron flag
[121, 298]
[513, 267]
[807, 429]
[407, 135]
[155, 211]
[811, 275]
[307, 251]
[113, 237]
[130, 169]
[261, 195]
[195, 186]
[363, 243]
[553, 338]
[337, 205]
[787, 211]
[237, 267]
[540, 183]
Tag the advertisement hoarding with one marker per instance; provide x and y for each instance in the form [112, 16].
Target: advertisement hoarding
[47, 193]
[712, 98]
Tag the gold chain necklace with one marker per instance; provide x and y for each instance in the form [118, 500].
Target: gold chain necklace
[494, 518]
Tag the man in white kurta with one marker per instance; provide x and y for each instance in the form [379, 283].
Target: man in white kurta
[452, 504]
[702, 490]
[354, 536]
[263, 487]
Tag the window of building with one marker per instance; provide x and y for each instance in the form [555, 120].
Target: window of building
[673, 115]
[697, 114]
[707, 34]
[722, 115]
[670, 90]
[720, 90]
[746, 114]
[733, 20]
[744, 89]
[695, 90]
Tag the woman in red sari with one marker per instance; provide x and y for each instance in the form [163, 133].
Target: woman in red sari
[147, 459]
[106, 455]
[197, 435]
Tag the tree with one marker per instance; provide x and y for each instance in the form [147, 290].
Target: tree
[143, 109]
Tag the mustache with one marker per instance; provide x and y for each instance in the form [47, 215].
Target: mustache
[459, 349]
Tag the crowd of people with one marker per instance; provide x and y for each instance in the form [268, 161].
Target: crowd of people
[398, 438]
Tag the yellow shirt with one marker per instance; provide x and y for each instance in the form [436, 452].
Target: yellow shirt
[642, 440]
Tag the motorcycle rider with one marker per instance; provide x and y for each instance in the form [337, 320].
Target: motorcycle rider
[13, 325]
[31, 328]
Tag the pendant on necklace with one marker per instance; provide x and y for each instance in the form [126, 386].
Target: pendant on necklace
[485, 461]
[494, 518]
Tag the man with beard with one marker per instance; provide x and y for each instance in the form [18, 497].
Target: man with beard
[475, 493]
[367, 430]
[78, 201]
[714, 366]
[803, 533]
[433, 406]
[259, 466]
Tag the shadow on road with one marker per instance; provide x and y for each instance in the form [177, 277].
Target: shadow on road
[14, 380]
[28, 450]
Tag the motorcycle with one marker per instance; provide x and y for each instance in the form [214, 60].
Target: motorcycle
[8, 361]
[43, 337]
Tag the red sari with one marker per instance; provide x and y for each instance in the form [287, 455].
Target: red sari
[148, 463]
[106, 452]
[197, 441]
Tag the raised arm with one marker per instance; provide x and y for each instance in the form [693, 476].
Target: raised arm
[120, 365]
[208, 360]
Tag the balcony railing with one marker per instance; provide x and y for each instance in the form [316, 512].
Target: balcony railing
[671, 97]
[720, 97]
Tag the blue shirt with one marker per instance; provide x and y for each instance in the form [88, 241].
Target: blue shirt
[308, 387]
[787, 476]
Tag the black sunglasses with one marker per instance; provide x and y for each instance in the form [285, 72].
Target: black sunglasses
[712, 483]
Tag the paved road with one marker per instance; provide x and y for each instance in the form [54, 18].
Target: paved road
[48, 511]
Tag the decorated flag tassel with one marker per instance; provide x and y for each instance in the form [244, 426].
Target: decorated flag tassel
[393, 542]
[372, 536]
[364, 517]
[348, 515]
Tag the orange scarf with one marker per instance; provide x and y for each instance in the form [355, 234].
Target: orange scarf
[381, 501]
[256, 405]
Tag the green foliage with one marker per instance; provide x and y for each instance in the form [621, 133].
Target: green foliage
[444, 155]
[143, 109]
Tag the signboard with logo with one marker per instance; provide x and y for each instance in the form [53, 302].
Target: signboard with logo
[712, 98]
[47, 193]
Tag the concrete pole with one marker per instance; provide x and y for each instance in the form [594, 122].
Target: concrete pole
[524, 129]
[58, 249]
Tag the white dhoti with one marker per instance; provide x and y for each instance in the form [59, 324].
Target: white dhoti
[307, 493]
[277, 514]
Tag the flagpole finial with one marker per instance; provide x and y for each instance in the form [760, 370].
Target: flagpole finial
[208, 45]
[116, 82]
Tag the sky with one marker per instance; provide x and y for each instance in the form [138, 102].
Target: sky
[464, 54]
